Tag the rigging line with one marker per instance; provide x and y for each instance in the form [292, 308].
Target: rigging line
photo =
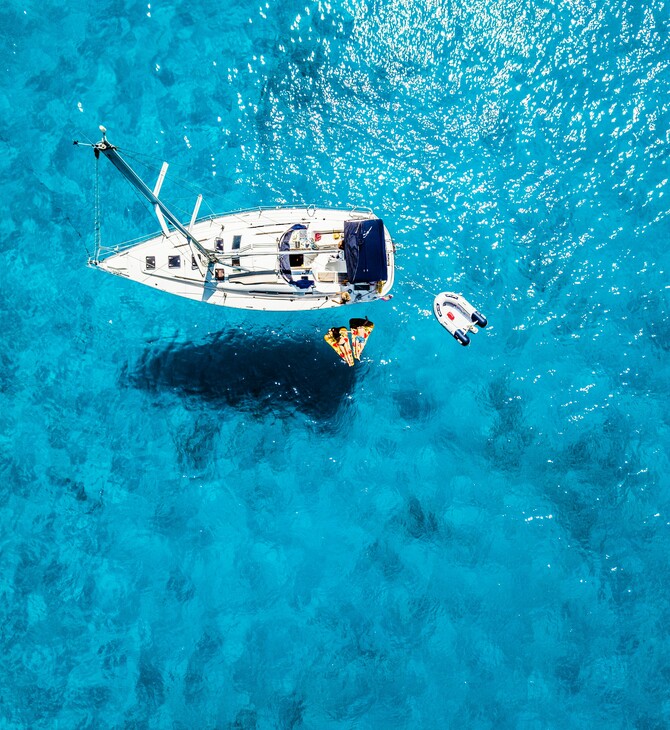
[83, 135]
[150, 162]
[182, 182]
[175, 207]
[175, 179]
[145, 204]
[83, 240]
[211, 210]
[421, 286]
[97, 235]
[151, 211]
[153, 158]
[148, 205]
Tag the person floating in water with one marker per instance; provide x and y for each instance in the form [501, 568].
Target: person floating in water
[338, 339]
[360, 331]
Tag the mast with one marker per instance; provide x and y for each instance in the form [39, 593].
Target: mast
[162, 212]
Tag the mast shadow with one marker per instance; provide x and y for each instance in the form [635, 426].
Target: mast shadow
[261, 373]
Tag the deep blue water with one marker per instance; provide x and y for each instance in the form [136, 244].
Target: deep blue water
[208, 521]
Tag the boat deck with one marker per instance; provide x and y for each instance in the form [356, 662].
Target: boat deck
[246, 272]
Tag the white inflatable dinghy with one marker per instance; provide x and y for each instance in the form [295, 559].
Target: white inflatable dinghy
[457, 316]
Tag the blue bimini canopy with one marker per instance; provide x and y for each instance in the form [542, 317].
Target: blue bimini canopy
[365, 251]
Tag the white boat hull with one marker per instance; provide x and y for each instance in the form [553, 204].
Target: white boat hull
[247, 274]
[457, 316]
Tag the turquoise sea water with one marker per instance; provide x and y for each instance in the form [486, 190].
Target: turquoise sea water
[208, 521]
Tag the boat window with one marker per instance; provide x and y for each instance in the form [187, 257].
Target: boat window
[296, 260]
[237, 241]
[174, 262]
[236, 261]
[219, 274]
[194, 263]
[219, 244]
[150, 262]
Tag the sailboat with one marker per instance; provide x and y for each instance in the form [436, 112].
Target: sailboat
[269, 259]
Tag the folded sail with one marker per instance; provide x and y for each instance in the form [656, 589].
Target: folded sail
[365, 251]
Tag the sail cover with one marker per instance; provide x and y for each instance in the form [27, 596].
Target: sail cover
[365, 251]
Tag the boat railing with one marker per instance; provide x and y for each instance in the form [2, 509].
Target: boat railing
[104, 252]
[360, 212]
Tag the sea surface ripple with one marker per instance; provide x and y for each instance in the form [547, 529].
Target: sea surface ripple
[207, 519]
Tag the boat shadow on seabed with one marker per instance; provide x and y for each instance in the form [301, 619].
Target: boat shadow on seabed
[262, 373]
